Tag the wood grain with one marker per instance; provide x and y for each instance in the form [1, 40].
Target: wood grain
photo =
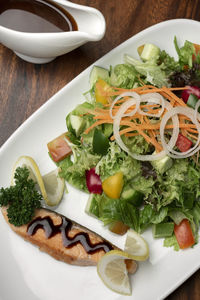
[24, 87]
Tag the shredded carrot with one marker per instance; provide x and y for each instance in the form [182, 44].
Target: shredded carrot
[113, 91]
[192, 130]
[96, 124]
[131, 134]
[140, 124]
[192, 136]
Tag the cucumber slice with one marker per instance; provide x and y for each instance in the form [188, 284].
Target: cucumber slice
[77, 124]
[149, 51]
[132, 196]
[163, 230]
[82, 108]
[96, 73]
[163, 164]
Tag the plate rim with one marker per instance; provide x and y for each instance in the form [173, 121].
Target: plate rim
[70, 84]
[65, 87]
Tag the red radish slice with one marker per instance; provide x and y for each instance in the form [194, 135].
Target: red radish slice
[190, 90]
[93, 182]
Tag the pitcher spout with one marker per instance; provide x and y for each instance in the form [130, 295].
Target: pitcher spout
[89, 20]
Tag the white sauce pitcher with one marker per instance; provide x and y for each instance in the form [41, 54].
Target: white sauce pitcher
[44, 47]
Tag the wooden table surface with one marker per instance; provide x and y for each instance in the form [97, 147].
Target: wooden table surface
[24, 87]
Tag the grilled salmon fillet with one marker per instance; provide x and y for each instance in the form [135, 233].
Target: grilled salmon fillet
[64, 239]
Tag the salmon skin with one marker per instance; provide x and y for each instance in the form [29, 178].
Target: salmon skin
[64, 239]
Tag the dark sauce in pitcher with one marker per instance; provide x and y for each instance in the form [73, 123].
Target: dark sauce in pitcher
[35, 16]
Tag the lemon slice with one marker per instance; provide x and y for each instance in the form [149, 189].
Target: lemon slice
[136, 246]
[50, 185]
[112, 270]
[54, 186]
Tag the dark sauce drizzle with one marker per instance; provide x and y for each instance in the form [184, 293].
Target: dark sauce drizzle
[51, 230]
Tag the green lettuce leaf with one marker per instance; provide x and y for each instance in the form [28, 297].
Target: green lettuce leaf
[169, 64]
[185, 53]
[118, 210]
[95, 204]
[143, 185]
[171, 242]
[181, 180]
[72, 175]
[176, 215]
[149, 216]
[145, 216]
[196, 213]
[123, 75]
[152, 72]
[117, 160]
[74, 172]
[160, 215]
[137, 144]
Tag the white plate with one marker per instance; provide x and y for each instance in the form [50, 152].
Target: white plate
[27, 273]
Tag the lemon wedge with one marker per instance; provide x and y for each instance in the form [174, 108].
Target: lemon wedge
[54, 186]
[136, 246]
[50, 185]
[112, 267]
[113, 272]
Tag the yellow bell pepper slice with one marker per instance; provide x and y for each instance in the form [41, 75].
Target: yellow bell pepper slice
[101, 87]
[112, 186]
[140, 49]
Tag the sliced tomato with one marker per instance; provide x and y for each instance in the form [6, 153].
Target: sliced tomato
[184, 234]
[183, 143]
[59, 148]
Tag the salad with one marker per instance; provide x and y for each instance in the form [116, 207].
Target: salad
[133, 145]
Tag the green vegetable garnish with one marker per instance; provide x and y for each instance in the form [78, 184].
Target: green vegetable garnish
[163, 230]
[100, 142]
[192, 101]
[152, 72]
[123, 75]
[185, 53]
[22, 199]
[160, 193]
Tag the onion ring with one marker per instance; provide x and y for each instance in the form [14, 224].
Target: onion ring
[153, 98]
[189, 112]
[116, 128]
[126, 94]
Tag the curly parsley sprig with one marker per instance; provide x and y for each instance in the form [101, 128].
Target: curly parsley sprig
[21, 199]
